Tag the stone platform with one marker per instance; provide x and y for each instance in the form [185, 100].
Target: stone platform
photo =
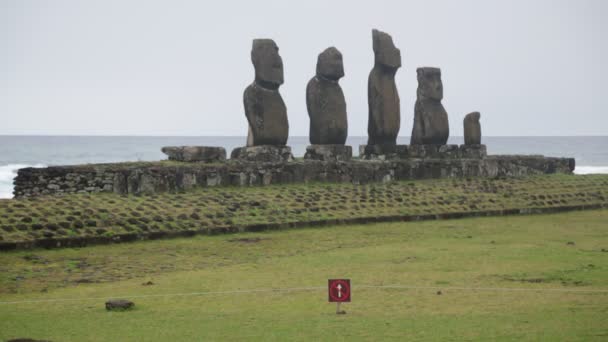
[387, 152]
[153, 177]
[262, 154]
[329, 152]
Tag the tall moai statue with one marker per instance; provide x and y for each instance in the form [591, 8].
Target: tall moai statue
[264, 106]
[327, 110]
[325, 100]
[431, 125]
[472, 129]
[382, 96]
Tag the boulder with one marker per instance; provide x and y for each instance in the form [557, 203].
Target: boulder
[472, 129]
[325, 101]
[431, 125]
[327, 152]
[264, 107]
[262, 153]
[383, 99]
[195, 153]
[119, 304]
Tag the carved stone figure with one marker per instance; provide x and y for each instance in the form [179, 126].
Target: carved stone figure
[472, 129]
[382, 96]
[264, 106]
[325, 100]
[430, 118]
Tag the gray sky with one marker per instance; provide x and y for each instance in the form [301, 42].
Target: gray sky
[180, 67]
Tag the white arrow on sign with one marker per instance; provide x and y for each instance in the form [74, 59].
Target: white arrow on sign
[339, 287]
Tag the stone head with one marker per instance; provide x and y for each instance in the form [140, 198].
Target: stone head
[267, 63]
[385, 52]
[329, 64]
[429, 83]
[472, 117]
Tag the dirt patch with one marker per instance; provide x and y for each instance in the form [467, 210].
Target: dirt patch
[247, 240]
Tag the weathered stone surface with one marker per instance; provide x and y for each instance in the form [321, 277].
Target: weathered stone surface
[264, 107]
[472, 129]
[119, 304]
[473, 151]
[325, 100]
[142, 179]
[263, 153]
[383, 99]
[195, 153]
[383, 152]
[329, 152]
[434, 151]
[431, 126]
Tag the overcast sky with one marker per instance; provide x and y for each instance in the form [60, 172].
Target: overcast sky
[180, 67]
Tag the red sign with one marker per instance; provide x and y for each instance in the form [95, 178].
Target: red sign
[339, 290]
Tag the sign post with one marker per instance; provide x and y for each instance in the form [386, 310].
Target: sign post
[338, 292]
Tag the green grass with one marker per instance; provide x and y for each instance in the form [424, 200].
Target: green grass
[538, 252]
[208, 209]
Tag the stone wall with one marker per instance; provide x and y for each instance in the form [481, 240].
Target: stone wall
[147, 178]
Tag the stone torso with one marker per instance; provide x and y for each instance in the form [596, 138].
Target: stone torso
[267, 116]
[327, 111]
[430, 123]
[384, 108]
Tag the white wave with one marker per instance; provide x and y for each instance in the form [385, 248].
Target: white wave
[586, 170]
[7, 174]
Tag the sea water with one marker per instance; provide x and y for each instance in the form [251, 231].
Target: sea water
[591, 153]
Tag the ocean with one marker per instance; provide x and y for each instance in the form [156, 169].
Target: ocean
[16, 152]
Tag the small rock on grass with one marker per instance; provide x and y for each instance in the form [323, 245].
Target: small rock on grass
[119, 304]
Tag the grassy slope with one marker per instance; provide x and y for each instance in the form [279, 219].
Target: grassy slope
[529, 252]
[205, 209]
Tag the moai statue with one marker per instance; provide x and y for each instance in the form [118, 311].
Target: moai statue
[430, 119]
[382, 96]
[472, 129]
[325, 101]
[264, 106]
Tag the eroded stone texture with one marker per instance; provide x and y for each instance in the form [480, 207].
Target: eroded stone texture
[383, 99]
[383, 152]
[473, 151]
[263, 153]
[264, 107]
[327, 152]
[325, 101]
[195, 153]
[430, 118]
[472, 129]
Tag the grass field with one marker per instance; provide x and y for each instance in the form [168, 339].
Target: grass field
[208, 210]
[500, 279]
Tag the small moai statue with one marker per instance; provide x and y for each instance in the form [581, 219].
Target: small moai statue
[382, 96]
[431, 125]
[325, 100]
[264, 107]
[472, 129]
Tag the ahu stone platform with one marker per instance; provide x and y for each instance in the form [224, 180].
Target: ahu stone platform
[153, 177]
